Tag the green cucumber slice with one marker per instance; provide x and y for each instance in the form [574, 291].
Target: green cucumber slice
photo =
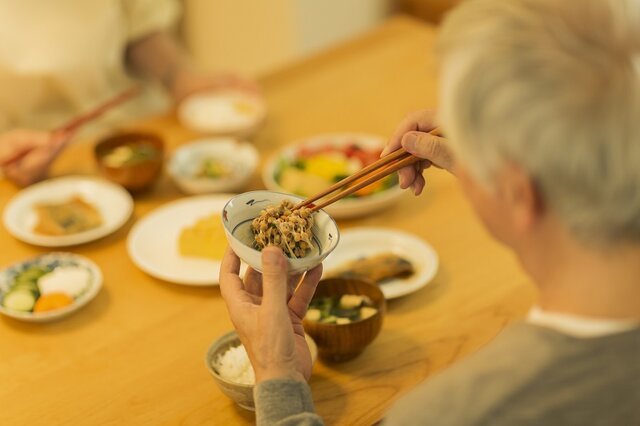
[19, 300]
[26, 286]
[31, 274]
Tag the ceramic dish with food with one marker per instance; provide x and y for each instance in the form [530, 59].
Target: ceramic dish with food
[400, 263]
[213, 165]
[133, 160]
[181, 242]
[228, 363]
[310, 166]
[48, 287]
[344, 317]
[229, 112]
[67, 211]
[311, 237]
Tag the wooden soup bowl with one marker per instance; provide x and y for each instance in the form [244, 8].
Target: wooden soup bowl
[342, 342]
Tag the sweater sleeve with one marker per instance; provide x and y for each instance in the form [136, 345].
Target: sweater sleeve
[285, 403]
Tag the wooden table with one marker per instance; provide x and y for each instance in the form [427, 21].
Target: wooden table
[135, 354]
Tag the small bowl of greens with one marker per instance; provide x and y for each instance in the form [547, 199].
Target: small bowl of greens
[133, 160]
[312, 165]
[213, 165]
[48, 287]
[344, 317]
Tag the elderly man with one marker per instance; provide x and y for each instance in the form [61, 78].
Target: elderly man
[540, 100]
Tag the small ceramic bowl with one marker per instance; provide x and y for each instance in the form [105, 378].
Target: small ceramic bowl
[134, 175]
[228, 113]
[241, 394]
[242, 209]
[238, 161]
[342, 342]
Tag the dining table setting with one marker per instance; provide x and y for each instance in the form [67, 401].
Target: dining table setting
[109, 292]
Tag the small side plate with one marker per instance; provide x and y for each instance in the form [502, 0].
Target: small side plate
[357, 243]
[52, 260]
[112, 201]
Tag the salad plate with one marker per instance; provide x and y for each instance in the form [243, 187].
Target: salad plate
[312, 165]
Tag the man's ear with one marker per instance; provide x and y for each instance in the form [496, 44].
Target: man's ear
[519, 191]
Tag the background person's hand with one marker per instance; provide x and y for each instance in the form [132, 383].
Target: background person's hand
[412, 134]
[26, 155]
[267, 312]
[158, 55]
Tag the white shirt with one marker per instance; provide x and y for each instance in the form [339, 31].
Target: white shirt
[579, 326]
[62, 57]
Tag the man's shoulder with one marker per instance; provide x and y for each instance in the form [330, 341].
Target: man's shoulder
[520, 370]
[460, 392]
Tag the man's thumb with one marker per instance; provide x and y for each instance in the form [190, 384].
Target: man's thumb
[274, 277]
[429, 147]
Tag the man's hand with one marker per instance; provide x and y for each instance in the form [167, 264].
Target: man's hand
[26, 155]
[267, 312]
[412, 134]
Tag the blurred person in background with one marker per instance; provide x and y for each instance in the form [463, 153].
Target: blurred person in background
[540, 100]
[59, 58]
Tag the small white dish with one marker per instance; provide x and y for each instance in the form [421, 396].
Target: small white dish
[228, 112]
[52, 261]
[357, 243]
[112, 201]
[240, 158]
[348, 207]
[153, 241]
[242, 209]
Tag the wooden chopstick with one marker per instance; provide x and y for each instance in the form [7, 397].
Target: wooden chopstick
[391, 162]
[375, 176]
[395, 155]
[63, 132]
[79, 121]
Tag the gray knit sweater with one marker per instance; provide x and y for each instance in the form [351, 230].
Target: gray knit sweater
[529, 375]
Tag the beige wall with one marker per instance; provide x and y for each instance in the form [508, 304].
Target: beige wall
[254, 37]
[248, 36]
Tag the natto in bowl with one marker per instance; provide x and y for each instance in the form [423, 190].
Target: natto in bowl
[240, 211]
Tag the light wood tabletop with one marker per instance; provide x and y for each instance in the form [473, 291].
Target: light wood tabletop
[135, 354]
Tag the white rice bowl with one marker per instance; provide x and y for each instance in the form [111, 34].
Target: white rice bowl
[234, 365]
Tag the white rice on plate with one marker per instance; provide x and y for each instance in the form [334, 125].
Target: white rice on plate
[234, 365]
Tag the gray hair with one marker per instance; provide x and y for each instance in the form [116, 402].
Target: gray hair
[553, 86]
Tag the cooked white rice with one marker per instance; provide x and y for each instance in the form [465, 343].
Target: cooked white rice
[234, 365]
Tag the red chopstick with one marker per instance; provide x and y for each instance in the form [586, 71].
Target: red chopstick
[81, 120]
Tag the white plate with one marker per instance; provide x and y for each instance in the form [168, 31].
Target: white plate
[112, 201]
[356, 243]
[52, 260]
[153, 241]
[347, 208]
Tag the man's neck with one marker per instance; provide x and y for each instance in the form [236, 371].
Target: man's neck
[581, 280]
